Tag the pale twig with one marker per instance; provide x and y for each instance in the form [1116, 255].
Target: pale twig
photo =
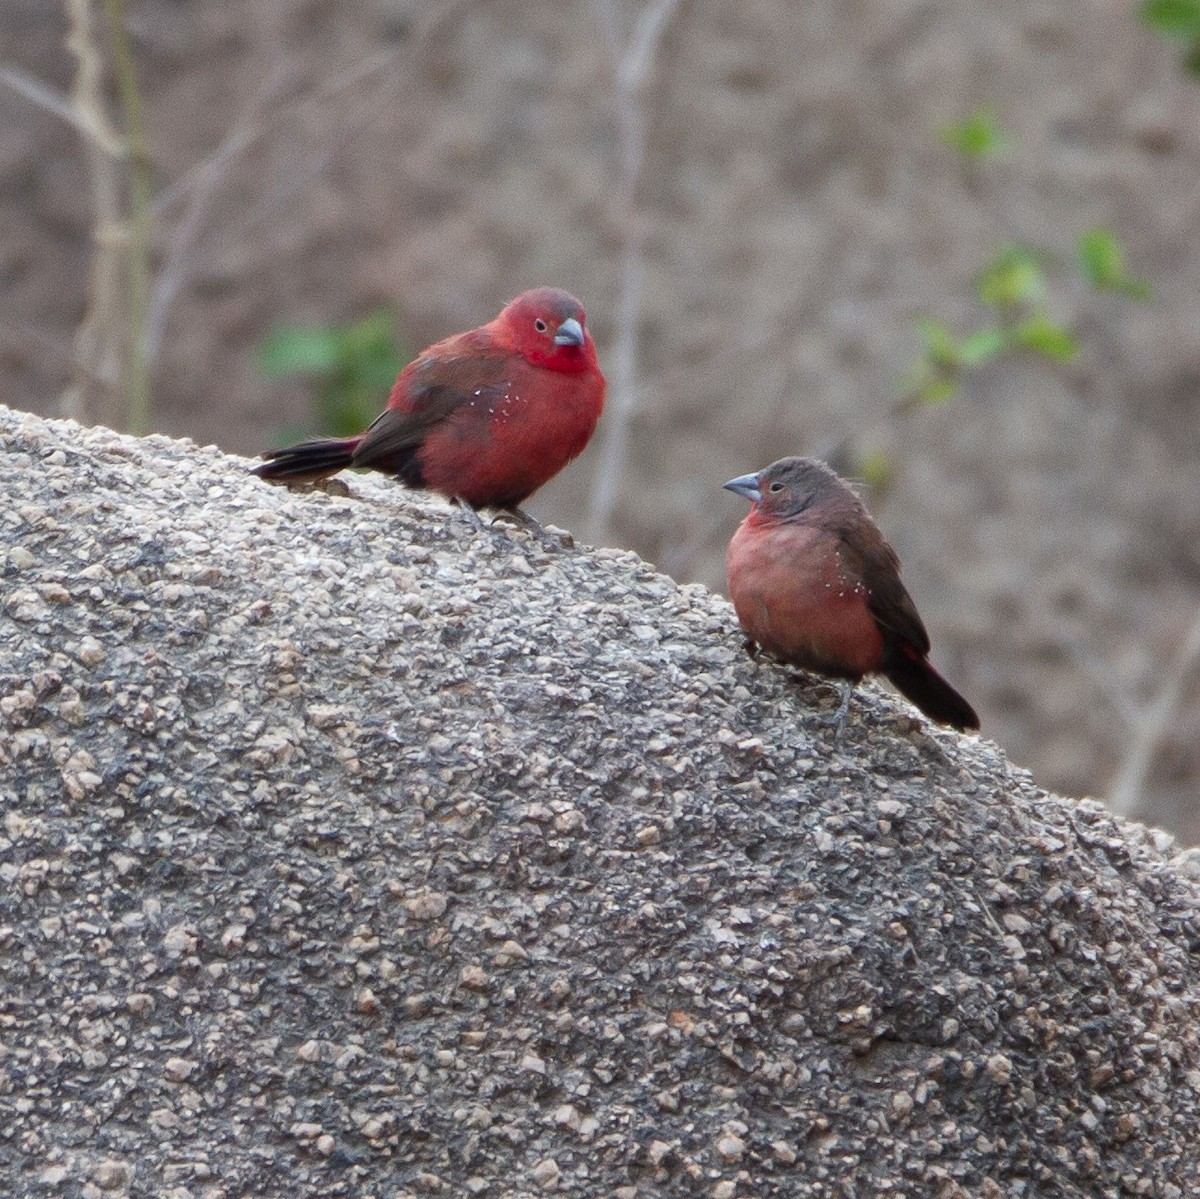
[200, 182]
[1127, 792]
[87, 122]
[242, 139]
[104, 351]
[432, 23]
[137, 157]
[177, 266]
[632, 67]
[99, 353]
[194, 176]
[1101, 674]
[175, 271]
[368, 109]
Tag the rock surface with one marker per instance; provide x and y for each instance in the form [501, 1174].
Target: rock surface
[346, 851]
[797, 213]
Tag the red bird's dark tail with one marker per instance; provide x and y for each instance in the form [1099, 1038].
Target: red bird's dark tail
[309, 460]
[917, 681]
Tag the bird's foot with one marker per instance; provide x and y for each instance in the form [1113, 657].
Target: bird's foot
[469, 514]
[326, 483]
[551, 539]
[837, 719]
[752, 648]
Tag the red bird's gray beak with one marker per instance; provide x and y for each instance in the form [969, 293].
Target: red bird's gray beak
[746, 485]
[569, 333]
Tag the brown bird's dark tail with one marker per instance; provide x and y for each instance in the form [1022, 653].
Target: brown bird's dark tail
[917, 681]
[309, 460]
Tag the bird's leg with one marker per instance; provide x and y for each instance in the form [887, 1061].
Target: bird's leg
[837, 719]
[469, 512]
[472, 517]
[522, 518]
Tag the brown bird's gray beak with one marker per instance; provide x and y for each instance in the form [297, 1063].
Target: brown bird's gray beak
[569, 333]
[746, 485]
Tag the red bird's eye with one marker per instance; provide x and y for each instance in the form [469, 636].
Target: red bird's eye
[540, 325]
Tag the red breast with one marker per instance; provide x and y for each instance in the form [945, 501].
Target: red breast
[502, 450]
[788, 586]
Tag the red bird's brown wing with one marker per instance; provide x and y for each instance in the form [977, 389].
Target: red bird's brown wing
[427, 392]
[875, 563]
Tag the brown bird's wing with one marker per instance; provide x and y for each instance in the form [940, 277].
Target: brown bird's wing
[869, 558]
[427, 392]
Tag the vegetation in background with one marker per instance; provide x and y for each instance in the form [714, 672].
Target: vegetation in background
[977, 136]
[352, 368]
[1180, 21]
[1102, 262]
[1012, 289]
[111, 359]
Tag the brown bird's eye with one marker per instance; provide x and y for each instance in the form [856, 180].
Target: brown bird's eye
[540, 325]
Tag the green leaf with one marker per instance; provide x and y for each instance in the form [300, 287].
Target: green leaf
[941, 348]
[295, 350]
[938, 391]
[1137, 289]
[353, 367]
[1191, 60]
[1103, 264]
[345, 409]
[1174, 18]
[1100, 258]
[1013, 277]
[371, 335]
[874, 468]
[976, 348]
[1041, 335]
[370, 354]
[977, 136]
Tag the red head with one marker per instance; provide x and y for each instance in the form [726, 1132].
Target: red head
[547, 327]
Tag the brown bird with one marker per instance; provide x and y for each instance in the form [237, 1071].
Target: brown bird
[815, 584]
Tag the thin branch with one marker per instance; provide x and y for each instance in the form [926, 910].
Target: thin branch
[89, 123]
[174, 274]
[431, 25]
[98, 354]
[638, 59]
[137, 395]
[201, 181]
[176, 270]
[242, 139]
[1100, 673]
[1127, 793]
[633, 66]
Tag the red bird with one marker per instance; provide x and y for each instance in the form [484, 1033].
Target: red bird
[484, 417]
[814, 583]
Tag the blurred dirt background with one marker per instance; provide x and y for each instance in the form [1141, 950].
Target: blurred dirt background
[768, 182]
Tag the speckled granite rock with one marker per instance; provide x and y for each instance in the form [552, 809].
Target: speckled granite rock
[348, 852]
